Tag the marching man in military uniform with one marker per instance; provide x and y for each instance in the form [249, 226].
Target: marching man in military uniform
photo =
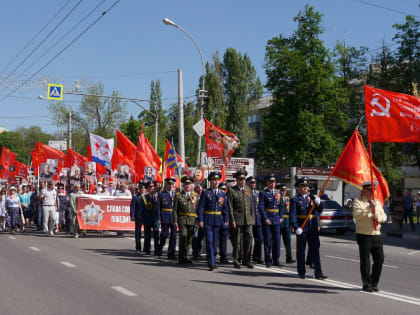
[257, 227]
[185, 215]
[300, 205]
[212, 215]
[241, 216]
[149, 219]
[136, 210]
[285, 231]
[272, 208]
[224, 233]
[166, 219]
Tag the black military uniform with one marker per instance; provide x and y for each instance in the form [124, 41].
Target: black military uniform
[185, 215]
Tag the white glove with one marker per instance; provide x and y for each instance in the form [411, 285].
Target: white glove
[317, 200]
[299, 231]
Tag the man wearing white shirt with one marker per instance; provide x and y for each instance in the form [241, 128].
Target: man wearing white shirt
[49, 199]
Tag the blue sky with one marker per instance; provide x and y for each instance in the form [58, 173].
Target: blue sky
[130, 46]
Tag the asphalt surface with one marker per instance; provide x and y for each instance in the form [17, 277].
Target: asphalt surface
[104, 275]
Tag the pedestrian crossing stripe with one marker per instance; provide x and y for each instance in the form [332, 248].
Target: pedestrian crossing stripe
[55, 92]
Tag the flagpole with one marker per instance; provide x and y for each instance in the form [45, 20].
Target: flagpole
[375, 222]
[313, 205]
[328, 179]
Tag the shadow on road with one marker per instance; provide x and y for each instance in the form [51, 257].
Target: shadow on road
[290, 287]
[408, 239]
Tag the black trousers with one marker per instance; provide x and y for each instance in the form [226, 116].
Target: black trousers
[370, 245]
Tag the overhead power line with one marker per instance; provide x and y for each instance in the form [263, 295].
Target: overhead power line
[385, 8]
[64, 36]
[35, 36]
[43, 41]
[63, 49]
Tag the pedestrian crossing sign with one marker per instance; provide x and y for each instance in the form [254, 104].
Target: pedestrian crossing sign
[55, 92]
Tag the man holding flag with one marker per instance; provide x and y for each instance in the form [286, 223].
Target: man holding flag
[368, 237]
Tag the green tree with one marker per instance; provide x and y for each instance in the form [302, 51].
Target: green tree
[215, 109]
[306, 124]
[351, 64]
[149, 119]
[243, 89]
[22, 141]
[131, 129]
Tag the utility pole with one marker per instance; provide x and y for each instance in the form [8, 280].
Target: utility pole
[181, 144]
[70, 130]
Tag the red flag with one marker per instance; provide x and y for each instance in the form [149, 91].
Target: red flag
[117, 158]
[21, 170]
[353, 166]
[125, 145]
[74, 159]
[392, 117]
[48, 152]
[37, 159]
[145, 156]
[220, 143]
[7, 157]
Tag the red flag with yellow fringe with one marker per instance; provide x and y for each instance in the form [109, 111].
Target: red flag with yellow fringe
[353, 166]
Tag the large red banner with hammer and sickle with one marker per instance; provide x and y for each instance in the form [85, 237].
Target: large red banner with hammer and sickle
[392, 117]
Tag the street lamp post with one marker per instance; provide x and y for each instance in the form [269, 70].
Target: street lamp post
[201, 93]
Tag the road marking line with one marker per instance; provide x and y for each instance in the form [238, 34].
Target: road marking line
[358, 261]
[384, 294]
[12, 237]
[415, 252]
[130, 238]
[35, 249]
[124, 291]
[67, 264]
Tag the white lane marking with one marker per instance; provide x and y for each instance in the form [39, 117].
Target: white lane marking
[124, 291]
[130, 238]
[415, 252]
[384, 294]
[67, 264]
[35, 249]
[12, 237]
[355, 260]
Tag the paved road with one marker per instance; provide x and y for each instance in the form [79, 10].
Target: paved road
[103, 275]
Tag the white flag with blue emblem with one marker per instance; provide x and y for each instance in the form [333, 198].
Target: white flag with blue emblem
[102, 149]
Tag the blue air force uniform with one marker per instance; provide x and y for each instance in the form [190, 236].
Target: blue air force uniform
[299, 208]
[164, 208]
[213, 212]
[272, 207]
[136, 210]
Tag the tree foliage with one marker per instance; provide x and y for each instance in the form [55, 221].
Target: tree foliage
[306, 124]
[243, 89]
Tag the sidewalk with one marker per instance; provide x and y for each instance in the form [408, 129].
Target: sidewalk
[387, 229]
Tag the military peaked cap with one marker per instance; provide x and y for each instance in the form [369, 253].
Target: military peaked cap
[303, 181]
[241, 174]
[214, 175]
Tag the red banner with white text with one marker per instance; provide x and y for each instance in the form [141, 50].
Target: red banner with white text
[104, 213]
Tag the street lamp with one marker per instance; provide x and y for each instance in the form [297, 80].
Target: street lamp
[201, 93]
